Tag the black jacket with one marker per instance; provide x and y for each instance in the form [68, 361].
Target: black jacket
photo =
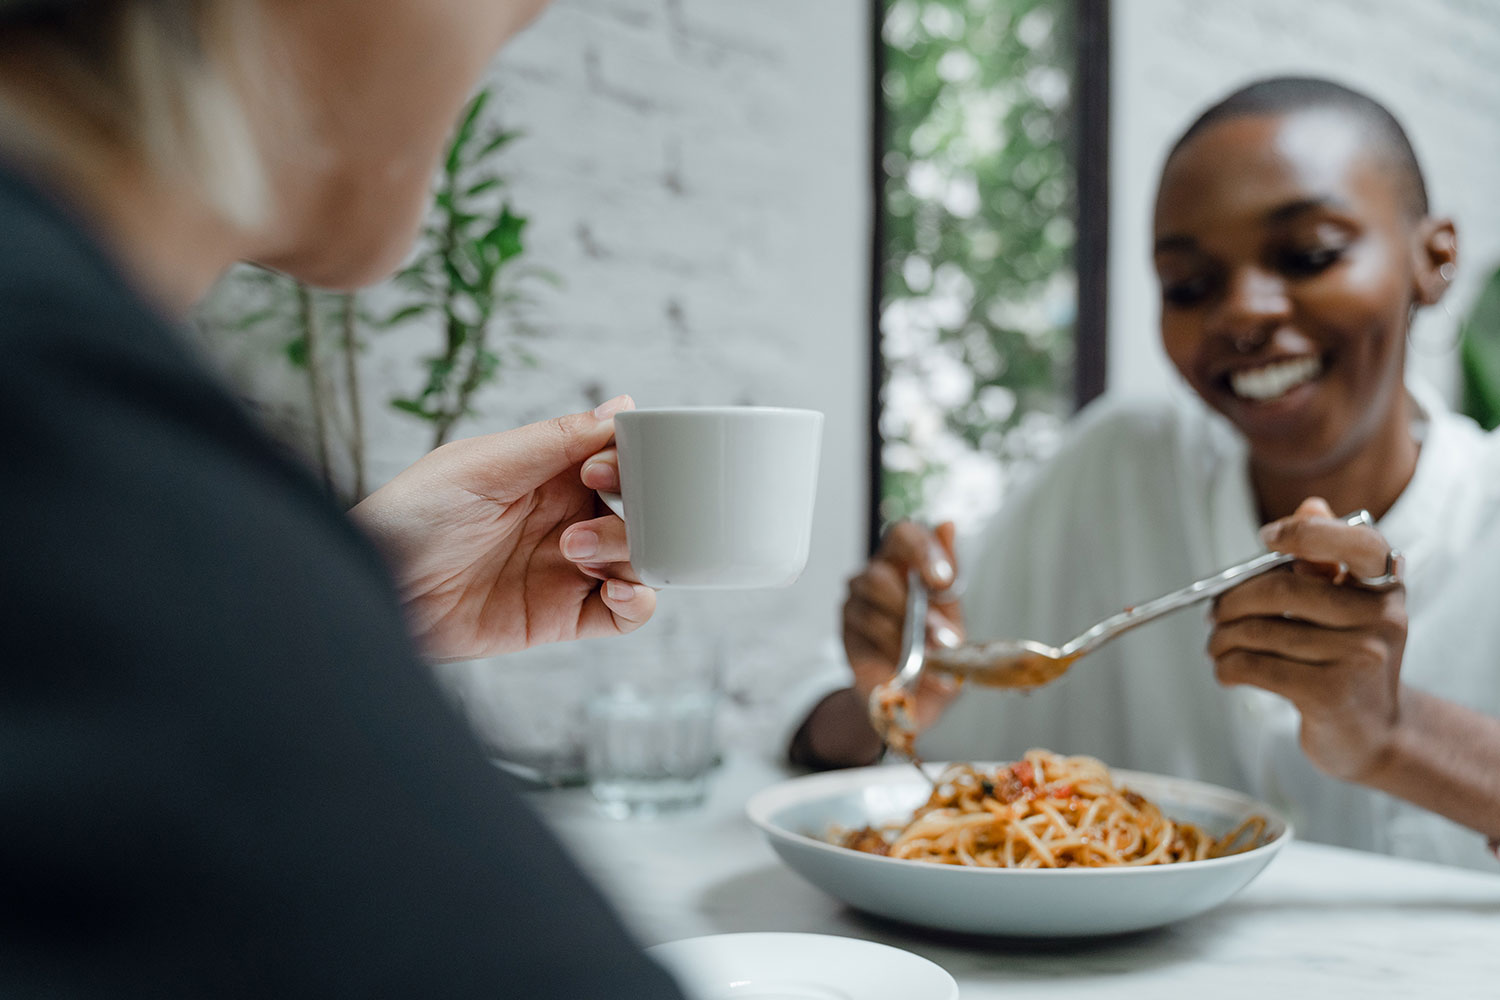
[223, 770]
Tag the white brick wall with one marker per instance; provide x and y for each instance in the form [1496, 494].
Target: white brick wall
[695, 172]
[1434, 63]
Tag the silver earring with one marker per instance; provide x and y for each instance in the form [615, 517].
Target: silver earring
[1445, 345]
[1446, 271]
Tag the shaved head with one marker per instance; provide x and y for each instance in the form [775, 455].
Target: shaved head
[1291, 94]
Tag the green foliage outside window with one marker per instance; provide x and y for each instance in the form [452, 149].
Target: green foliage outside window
[978, 292]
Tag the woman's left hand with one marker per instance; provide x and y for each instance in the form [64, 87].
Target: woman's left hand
[1318, 638]
[499, 542]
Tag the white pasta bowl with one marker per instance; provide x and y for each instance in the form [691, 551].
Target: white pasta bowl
[797, 815]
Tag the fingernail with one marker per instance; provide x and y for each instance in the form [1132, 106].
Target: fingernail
[945, 636]
[581, 544]
[600, 476]
[943, 570]
[1270, 532]
[610, 407]
[619, 590]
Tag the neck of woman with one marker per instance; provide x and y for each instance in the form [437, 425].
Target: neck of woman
[1373, 476]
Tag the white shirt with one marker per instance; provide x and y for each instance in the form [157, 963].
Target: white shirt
[1148, 496]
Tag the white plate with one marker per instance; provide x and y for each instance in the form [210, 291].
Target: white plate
[800, 967]
[795, 815]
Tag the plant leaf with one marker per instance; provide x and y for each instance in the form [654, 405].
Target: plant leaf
[254, 319]
[409, 312]
[505, 235]
[488, 184]
[1479, 356]
[497, 141]
[465, 131]
[415, 408]
[296, 351]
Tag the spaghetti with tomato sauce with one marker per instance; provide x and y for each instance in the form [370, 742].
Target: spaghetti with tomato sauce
[1044, 811]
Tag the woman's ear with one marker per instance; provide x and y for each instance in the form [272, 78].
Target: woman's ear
[1436, 260]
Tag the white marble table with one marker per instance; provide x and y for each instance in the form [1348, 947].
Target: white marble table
[1319, 922]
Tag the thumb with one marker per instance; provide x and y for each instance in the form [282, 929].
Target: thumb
[514, 462]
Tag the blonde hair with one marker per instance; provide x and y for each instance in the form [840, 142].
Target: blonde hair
[160, 79]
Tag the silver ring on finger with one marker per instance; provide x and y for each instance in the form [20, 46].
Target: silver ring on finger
[1395, 566]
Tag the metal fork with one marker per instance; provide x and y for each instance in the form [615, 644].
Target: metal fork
[890, 718]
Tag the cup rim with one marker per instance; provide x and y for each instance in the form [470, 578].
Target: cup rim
[727, 411]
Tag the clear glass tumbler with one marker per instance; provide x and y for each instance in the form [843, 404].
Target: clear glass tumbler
[650, 736]
[649, 752]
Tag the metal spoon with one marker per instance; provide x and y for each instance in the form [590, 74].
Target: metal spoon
[1026, 663]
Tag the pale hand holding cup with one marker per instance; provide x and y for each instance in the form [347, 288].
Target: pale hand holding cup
[497, 544]
[716, 497]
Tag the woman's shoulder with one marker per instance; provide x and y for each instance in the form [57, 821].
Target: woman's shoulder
[63, 299]
[1455, 441]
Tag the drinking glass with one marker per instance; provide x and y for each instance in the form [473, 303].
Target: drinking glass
[650, 732]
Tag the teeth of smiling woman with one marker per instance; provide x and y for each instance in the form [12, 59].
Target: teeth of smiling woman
[1274, 380]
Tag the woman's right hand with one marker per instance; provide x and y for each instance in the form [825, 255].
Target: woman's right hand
[875, 611]
[500, 542]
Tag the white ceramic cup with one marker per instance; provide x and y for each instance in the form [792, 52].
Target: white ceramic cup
[717, 497]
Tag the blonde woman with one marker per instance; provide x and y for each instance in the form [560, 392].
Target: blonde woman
[225, 770]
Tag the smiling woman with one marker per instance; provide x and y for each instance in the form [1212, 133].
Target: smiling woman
[1289, 280]
[1293, 246]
